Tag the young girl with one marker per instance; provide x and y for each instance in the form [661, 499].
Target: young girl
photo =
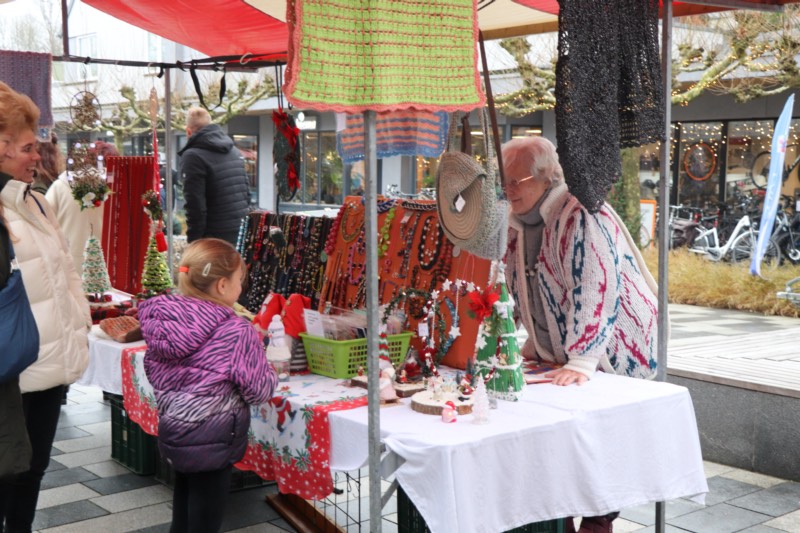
[206, 365]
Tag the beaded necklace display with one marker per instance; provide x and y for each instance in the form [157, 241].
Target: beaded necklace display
[383, 239]
[351, 231]
[429, 255]
[357, 248]
[240, 244]
[407, 233]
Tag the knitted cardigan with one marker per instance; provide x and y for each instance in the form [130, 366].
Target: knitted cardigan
[600, 299]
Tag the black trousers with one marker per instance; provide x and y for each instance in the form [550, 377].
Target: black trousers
[198, 501]
[18, 496]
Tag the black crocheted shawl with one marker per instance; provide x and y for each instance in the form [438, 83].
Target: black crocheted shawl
[608, 90]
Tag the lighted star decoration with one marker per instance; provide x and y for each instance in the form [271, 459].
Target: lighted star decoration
[470, 287]
[455, 332]
[458, 283]
[446, 285]
[434, 295]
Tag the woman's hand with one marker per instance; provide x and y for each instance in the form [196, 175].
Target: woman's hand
[563, 377]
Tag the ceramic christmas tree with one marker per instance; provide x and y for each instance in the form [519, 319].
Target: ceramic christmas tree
[155, 276]
[95, 275]
[498, 359]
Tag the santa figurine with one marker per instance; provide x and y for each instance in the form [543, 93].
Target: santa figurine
[386, 392]
[449, 412]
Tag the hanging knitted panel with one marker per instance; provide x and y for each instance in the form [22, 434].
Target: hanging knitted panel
[408, 132]
[641, 93]
[29, 73]
[608, 90]
[381, 55]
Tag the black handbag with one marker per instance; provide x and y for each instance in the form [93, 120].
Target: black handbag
[19, 336]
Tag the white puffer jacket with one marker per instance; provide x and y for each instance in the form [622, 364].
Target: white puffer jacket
[54, 290]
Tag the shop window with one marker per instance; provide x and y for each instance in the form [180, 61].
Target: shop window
[698, 160]
[525, 131]
[324, 178]
[748, 141]
[248, 147]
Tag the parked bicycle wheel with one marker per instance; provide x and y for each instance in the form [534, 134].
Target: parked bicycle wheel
[759, 172]
[790, 251]
[745, 244]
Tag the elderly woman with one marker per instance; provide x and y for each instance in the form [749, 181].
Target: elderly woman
[583, 292]
[59, 307]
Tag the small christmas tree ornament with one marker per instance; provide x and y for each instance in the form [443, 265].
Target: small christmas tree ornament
[480, 406]
[449, 413]
[155, 276]
[498, 359]
[95, 274]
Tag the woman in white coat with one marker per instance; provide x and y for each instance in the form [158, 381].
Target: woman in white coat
[59, 307]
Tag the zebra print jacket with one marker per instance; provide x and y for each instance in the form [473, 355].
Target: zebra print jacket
[206, 366]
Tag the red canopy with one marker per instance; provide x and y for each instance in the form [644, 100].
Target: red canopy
[257, 27]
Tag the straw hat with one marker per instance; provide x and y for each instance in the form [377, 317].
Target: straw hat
[469, 212]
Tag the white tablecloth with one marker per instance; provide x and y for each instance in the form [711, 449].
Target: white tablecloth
[104, 360]
[612, 443]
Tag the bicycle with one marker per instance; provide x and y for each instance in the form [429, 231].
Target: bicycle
[739, 248]
[759, 171]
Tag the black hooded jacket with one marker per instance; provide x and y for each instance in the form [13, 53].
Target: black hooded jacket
[214, 185]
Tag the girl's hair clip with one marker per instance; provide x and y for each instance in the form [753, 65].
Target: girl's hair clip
[206, 269]
[184, 269]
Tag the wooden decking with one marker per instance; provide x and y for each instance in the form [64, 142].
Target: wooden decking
[767, 361]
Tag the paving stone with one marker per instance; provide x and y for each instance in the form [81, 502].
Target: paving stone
[107, 469]
[66, 514]
[761, 528]
[646, 514]
[65, 494]
[248, 507]
[68, 476]
[754, 478]
[132, 499]
[87, 442]
[82, 418]
[125, 482]
[85, 457]
[70, 432]
[722, 489]
[119, 522]
[160, 528]
[652, 529]
[774, 501]
[715, 469]
[54, 465]
[788, 522]
[720, 518]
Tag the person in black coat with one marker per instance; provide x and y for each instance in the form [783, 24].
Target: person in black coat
[215, 185]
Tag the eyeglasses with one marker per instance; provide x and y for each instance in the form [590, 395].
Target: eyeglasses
[514, 184]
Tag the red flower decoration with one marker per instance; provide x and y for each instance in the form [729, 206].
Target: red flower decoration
[481, 303]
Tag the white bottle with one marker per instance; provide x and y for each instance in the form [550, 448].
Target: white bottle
[277, 351]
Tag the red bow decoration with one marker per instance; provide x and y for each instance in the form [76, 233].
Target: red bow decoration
[481, 303]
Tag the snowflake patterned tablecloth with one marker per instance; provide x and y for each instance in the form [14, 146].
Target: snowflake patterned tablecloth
[289, 437]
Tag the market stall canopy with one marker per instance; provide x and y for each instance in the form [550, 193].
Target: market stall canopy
[257, 29]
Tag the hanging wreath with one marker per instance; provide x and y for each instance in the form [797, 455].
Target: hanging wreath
[85, 110]
[441, 327]
[699, 161]
[89, 186]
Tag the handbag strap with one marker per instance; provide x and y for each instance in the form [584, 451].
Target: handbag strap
[492, 112]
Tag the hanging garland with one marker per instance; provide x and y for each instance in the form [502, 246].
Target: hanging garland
[286, 154]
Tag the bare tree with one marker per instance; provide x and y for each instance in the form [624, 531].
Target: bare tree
[744, 53]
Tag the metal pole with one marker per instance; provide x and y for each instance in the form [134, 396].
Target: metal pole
[371, 236]
[663, 220]
[168, 166]
[64, 27]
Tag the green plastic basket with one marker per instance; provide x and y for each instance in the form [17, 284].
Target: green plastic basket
[341, 359]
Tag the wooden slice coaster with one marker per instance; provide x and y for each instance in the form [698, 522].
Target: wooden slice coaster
[423, 402]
